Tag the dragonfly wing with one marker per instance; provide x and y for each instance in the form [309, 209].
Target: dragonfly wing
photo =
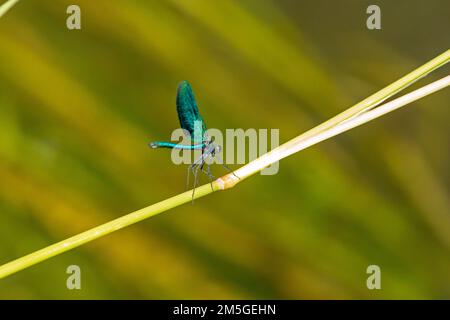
[188, 114]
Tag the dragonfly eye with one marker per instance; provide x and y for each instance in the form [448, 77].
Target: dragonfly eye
[209, 139]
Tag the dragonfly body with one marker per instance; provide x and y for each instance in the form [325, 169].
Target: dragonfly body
[192, 122]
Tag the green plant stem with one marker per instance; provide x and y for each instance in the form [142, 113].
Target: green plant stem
[356, 115]
[358, 109]
[6, 6]
[103, 230]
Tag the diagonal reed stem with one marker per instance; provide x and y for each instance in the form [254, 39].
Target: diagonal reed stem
[357, 115]
[6, 6]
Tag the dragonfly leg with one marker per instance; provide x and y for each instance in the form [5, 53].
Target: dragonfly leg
[192, 167]
[188, 174]
[195, 171]
[226, 167]
[209, 174]
[199, 165]
[211, 177]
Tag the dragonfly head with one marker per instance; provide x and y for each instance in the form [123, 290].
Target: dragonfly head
[217, 149]
[207, 139]
[212, 148]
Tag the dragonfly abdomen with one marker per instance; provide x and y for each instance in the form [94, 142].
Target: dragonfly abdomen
[171, 145]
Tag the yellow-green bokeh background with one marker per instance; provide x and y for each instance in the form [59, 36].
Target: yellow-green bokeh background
[77, 109]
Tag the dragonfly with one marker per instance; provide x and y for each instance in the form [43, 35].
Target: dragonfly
[192, 123]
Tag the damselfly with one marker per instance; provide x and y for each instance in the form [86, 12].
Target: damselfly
[192, 122]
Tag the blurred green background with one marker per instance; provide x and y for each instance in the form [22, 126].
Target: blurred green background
[77, 109]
